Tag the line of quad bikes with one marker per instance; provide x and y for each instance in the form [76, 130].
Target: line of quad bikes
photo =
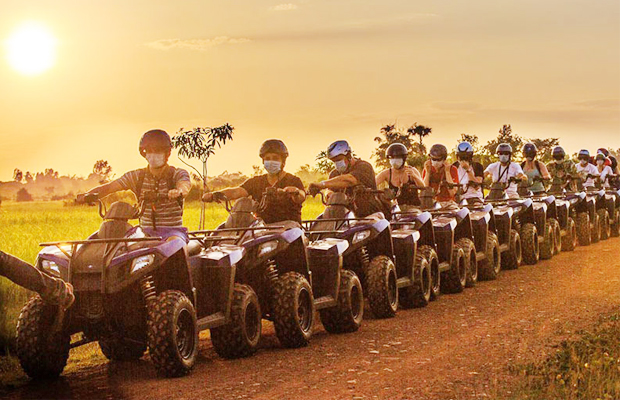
[136, 292]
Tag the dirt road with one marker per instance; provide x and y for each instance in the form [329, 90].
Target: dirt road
[459, 347]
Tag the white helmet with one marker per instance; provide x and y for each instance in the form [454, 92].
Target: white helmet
[339, 147]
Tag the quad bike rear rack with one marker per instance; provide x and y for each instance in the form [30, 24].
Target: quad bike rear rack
[194, 235]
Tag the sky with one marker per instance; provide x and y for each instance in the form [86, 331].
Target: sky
[308, 72]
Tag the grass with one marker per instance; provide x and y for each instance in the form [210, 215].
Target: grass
[584, 368]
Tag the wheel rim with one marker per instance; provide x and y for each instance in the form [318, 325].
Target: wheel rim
[185, 330]
[251, 321]
[304, 310]
[496, 261]
[473, 265]
[426, 281]
[356, 302]
[435, 279]
[392, 288]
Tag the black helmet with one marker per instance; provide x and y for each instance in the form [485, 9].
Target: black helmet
[275, 146]
[558, 153]
[397, 150]
[464, 150]
[155, 139]
[530, 150]
[583, 155]
[338, 148]
[438, 151]
[504, 148]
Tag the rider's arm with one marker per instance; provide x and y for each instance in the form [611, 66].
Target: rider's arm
[450, 178]
[234, 193]
[544, 171]
[382, 176]
[417, 178]
[339, 182]
[106, 189]
[426, 173]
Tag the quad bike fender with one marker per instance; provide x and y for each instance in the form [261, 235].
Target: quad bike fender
[405, 246]
[325, 261]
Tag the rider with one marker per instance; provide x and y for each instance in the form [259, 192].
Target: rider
[584, 168]
[400, 174]
[611, 160]
[438, 171]
[504, 169]
[603, 169]
[534, 169]
[274, 154]
[470, 172]
[560, 167]
[163, 217]
[52, 290]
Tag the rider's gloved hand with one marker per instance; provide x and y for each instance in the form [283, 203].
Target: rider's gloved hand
[174, 193]
[207, 197]
[81, 198]
[315, 188]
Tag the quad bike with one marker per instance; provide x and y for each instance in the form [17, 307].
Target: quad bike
[275, 267]
[448, 247]
[517, 219]
[134, 292]
[612, 196]
[549, 212]
[598, 215]
[370, 253]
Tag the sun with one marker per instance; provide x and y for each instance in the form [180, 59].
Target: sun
[31, 49]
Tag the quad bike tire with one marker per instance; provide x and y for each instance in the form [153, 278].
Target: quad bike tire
[513, 258]
[603, 217]
[595, 229]
[557, 235]
[419, 294]
[240, 336]
[615, 224]
[381, 287]
[292, 309]
[569, 241]
[121, 350]
[41, 354]
[455, 279]
[348, 313]
[492, 264]
[583, 229]
[172, 335]
[471, 263]
[433, 262]
[547, 248]
[529, 244]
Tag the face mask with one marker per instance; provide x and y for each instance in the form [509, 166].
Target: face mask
[504, 158]
[600, 162]
[341, 166]
[530, 158]
[437, 164]
[272, 167]
[583, 162]
[396, 162]
[156, 160]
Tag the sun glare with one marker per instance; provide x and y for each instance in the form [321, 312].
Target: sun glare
[31, 49]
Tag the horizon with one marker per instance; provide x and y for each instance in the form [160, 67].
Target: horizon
[308, 72]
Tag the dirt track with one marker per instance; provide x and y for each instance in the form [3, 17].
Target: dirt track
[459, 347]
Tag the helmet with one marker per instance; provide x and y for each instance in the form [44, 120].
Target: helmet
[583, 154]
[464, 150]
[275, 146]
[338, 148]
[558, 153]
[604, 151]
[155, 139]
[504, 148]
[438, 151]
[530, 150]
[600, 156]
[397, 150]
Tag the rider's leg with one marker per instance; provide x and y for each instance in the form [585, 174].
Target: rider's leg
[52, 290]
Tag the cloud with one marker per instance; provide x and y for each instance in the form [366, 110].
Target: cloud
[284, 7]
[456, 106]
[195, 44]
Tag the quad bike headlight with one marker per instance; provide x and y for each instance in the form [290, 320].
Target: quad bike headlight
[361, 235]
[267, 247]
[50, 266]
[138, 263]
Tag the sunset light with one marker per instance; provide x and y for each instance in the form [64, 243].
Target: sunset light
[31, 49]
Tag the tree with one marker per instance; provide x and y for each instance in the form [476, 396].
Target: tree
[28, 177]
[505, 136]
[421, 132]
[323, 164]
[18, 175]
[390, 134]
[545, 147]
[104, 170]
[201, 143]
[23, 195]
